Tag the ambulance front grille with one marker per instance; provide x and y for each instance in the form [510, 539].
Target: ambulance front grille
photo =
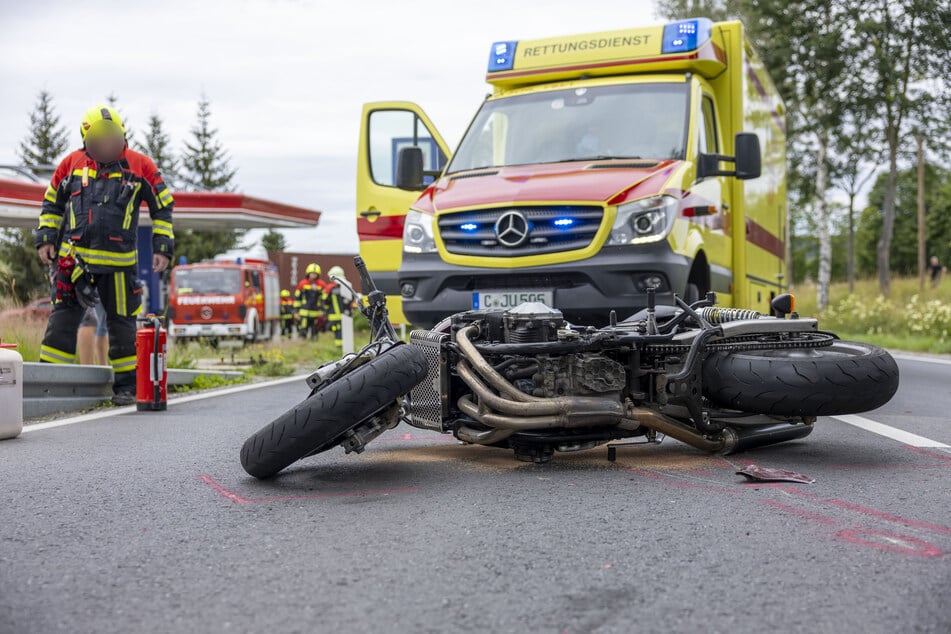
[537, 229]
[427, 405]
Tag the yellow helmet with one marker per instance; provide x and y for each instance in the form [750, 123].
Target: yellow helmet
[285, 293]
[99, 119]
[313, 267]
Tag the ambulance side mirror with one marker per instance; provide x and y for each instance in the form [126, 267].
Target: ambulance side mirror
[409, 168]
[748, 159]
[748, 156]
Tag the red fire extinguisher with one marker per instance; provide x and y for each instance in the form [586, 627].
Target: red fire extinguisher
[151, 371]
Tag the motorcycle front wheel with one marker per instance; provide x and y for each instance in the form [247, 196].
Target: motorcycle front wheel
[844, 378]
[320, 422]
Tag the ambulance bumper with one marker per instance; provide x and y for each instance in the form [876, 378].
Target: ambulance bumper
[585, 291]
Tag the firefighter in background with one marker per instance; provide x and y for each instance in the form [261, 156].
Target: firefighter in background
[87, 229]
[339, 301]
[287, 314]
[308, 301]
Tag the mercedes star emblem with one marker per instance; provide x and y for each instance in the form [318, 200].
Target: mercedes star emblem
[511, 228]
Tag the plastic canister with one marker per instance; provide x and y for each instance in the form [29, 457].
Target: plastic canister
[11, 392]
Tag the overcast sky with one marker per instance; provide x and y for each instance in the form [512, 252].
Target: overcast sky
[286, 78]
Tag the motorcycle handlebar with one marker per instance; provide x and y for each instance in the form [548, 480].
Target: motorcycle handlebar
[366, 282]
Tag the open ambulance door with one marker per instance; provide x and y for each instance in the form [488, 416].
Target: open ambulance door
[386, 128]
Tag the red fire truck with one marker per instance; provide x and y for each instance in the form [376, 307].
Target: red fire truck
[227, 298]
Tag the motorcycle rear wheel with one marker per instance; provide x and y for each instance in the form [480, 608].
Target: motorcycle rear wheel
[320, 422]
[844, 378]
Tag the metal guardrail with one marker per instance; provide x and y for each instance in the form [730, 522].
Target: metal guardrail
[50, 388]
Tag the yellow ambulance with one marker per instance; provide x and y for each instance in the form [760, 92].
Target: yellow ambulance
[600, 165]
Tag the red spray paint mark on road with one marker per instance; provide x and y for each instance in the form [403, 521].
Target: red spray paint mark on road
[871, 538]
[238, 499]
[904, 544]
[889, 517]
[933, 454]
[803, 513]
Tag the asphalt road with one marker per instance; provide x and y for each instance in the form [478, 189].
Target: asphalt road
[145, 522]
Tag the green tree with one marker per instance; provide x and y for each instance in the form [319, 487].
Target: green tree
[904, 255]
[905, 43]
[205, 167]
[158, 146]
[854, 165]
[273, 241]
[46, 141]
[205, 163]
[817, 61]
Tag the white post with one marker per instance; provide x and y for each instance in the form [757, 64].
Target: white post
[346, 326]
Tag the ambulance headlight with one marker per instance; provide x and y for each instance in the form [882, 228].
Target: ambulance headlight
[647, 220]
[418, 233]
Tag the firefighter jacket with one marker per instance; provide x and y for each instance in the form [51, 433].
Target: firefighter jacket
[338, 301]
[308, 299]
[287, 308]
[95, 207]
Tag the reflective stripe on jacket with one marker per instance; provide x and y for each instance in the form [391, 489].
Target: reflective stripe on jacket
[97, 207]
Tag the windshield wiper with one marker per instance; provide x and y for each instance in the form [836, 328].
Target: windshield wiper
[476, 169]
[603, 158]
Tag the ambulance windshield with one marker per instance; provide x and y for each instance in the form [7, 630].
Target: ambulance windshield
[208, 281]
[630, 121]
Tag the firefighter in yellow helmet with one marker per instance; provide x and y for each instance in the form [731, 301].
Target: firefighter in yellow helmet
[308, 301]
[287, 314]
[339, 301]
[87, 232]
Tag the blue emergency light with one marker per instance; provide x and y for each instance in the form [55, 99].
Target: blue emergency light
[564, 223]
[502, 56]
[469, 227]
[686, 35]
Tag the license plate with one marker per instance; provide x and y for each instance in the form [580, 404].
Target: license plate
[509, 299]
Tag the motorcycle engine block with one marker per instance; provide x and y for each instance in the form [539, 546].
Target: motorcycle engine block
[578, 374]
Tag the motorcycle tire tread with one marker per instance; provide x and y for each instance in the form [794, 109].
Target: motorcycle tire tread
[798, 385]
[333, 410]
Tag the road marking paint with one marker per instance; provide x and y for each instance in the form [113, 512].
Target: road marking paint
[239, 499]
[911, 357]
[889, 517]
[858, 535]
[941, 455]
[888, 431]
[82, 418]
[904, 544]
[803, 513]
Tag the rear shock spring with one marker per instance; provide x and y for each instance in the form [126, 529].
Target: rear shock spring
[717, 315]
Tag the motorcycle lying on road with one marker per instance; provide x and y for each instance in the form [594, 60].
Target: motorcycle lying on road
[722, 380]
